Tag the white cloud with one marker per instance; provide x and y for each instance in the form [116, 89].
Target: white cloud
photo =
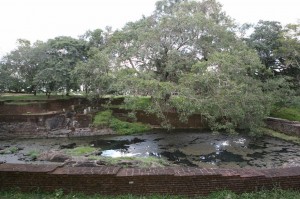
[44, 19]
[251, 11]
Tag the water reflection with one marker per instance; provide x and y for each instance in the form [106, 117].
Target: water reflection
[182, 148]
[117, 154]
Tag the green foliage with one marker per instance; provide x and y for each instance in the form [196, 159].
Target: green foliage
[278, 49]
[106, 119]
[94, 74]
[188, 48]
[80, 151]
[265, 39]
[290, 52]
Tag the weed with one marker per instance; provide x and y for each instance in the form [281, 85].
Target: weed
[80, 151]
[10, 150]
[13, 149]
[33, 154]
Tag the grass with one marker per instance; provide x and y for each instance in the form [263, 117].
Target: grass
[138, 103]
[140, 162]
[127, 128]
[282, 136]
[59, 194]
[10, 150]
[152, 161]
[22, 103]
[81, 151]
[289, 113]
[102, 119]
[24, 97]
[33, 154]
[106, 119]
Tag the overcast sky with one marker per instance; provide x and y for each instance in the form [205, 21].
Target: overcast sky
[44, 19]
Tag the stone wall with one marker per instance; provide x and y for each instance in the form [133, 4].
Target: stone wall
[46, 125]
[172, 181]
[284, 126]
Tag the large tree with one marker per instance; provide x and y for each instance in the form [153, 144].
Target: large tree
[190, 49]
[170, 41]
[63, 53]
[290, 53]
[24, 63]
[265, 39]
[94, 73]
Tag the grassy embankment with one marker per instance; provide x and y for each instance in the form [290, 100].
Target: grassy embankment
[24, 97]
[289, 113]
[27, 99]
[282, 136]
[274, 194]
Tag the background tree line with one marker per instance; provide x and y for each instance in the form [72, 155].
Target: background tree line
[189, 56]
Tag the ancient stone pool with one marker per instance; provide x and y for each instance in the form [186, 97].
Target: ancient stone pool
[196, 149]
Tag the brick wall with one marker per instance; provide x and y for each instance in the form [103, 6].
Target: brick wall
[170, 180]
[194, 121]
[40, 106]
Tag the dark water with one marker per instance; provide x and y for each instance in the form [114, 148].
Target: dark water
[183, 148]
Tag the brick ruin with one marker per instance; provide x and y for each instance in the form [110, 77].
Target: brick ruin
[43, 120]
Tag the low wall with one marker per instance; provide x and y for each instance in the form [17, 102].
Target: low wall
[40, 106]
[46, 125]
[284, 126]
[172, 181]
